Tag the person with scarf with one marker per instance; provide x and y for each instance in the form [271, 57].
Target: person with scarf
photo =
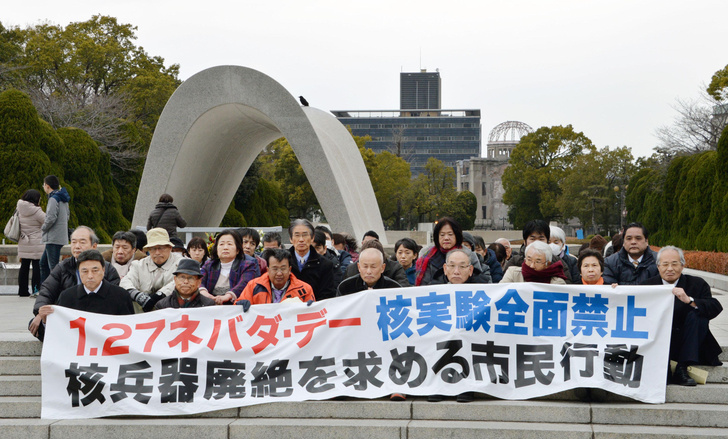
[448, 235]
[537, 267]
[591, 266]
[186, 294]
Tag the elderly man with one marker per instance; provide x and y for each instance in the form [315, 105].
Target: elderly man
[392, 269]
[123, 249]
[371, 265]
[278, 284]
[65, 275]
[635, 262]
[691, 341]
[151, 279]
[309, 266]
[537, 267]
[272, 240]
[186, 294]
[456, 270]
[92, 294]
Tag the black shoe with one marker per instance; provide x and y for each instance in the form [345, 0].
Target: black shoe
[435, 398]
[466, 397]
[681, 377]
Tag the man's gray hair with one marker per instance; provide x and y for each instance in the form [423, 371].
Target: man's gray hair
[92, 234]
[300, 222]
[540, 247]
[464, 251]
[558, 233]
[504, 242]
[679, 251]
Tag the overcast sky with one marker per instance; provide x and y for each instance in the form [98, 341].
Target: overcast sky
[612, 69]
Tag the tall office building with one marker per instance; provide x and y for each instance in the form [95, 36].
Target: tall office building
[419, 90]
[420, 129]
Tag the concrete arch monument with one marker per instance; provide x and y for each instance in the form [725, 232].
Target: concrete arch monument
[219, 120]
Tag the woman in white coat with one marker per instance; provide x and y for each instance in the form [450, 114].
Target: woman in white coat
[30, 247]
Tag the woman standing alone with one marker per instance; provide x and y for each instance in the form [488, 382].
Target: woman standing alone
[30, 247]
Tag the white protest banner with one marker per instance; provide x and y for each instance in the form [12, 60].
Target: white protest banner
[511, 341]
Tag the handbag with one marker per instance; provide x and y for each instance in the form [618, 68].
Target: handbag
[12, 228]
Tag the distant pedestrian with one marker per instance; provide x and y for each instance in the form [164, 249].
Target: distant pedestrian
[55, 226]
[166, 216]
[30, 247]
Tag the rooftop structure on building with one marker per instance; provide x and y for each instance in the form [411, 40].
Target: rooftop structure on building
[483, 175]
[420, 90]
[420, 129]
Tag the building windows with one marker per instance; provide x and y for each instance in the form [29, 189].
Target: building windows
[484, 190]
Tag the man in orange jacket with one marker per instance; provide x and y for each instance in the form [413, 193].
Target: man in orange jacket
[277, 285]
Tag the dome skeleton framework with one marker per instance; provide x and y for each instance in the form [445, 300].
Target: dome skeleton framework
[509, 132]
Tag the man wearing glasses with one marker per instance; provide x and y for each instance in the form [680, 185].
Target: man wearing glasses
[278, 284]
[457, 269]
[186, 294]
[691, 341]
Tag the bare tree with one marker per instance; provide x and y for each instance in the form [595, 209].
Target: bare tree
[696, 128]
[397, 147]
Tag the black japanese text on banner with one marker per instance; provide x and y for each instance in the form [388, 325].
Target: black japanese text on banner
[512, 341]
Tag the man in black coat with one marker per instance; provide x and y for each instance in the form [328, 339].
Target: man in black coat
[65, 275]
[186, 294]
[635, 263]
[691, 341]
[93, 294]
[309, 266]
[371, 276]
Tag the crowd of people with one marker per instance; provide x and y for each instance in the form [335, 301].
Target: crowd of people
[143, 272]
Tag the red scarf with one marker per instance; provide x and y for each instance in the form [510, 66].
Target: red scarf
[424, 261]
[543, 276]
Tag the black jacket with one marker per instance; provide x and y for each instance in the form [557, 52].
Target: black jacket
[171, 301]
[110, 299]
[619, 269]
[393, 270]
[166, 216]
[64, 277]
[355, 284]
[318, 272]
[333, 257]
[708, 307]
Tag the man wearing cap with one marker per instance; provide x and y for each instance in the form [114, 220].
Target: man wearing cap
[93, 294]
[186, 294]
[152, 278]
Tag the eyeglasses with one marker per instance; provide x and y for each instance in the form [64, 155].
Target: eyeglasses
[186, 279]
[461, 267]
[278, 269]
[670, 264]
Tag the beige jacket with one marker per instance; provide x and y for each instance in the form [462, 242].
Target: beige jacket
[514, 274]
[142, 273]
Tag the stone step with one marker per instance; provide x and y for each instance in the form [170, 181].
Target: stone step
[669, 414]
[19, 366]
[20, 406]
[650, 432]
[20, 345]
[20, 385]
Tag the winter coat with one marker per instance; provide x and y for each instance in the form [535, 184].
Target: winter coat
[142, 272]
[618, 268]
[496, 271]
[258, 291]
[63, 277]
[172, 301]
[317, 272]
[32, 218]
[55, 226]
[356, 284]
[243, 271]
[166, 216]
[574, 271]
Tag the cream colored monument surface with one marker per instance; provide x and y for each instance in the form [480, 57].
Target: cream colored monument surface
[219, 120]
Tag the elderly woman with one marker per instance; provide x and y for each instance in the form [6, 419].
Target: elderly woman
[230, 269]
[591, 266]
[557, 242]
[537, 267]
[30, 247]
[448, 235]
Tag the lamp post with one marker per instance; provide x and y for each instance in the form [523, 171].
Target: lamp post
[620, 191]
